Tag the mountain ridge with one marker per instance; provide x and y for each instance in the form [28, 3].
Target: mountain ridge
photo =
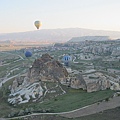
[56, 35]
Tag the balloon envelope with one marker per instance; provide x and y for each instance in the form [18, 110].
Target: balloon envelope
[28, 54]
[66, 60]
[37, 24]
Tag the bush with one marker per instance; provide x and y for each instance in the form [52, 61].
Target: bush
[22, 112]
[107, 99]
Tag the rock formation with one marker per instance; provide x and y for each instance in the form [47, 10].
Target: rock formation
[78, 82]
[98, 85]
[44, 69]
[45, 77]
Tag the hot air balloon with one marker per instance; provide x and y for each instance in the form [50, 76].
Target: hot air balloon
[37, 24]
[28, 53]
[66, 60]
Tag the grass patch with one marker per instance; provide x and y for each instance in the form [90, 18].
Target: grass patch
[74, 99]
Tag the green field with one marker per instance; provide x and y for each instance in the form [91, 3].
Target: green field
[74, 99]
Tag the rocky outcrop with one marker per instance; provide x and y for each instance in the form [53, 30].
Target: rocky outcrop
[45, 78]
[115, 86]
[14, 86]
[33, 86]
[78, 82]
[98, 85]
[46, 68]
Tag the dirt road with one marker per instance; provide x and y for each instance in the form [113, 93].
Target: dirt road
[94, 108]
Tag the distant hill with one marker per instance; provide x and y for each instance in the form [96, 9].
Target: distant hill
[56, 35]
[88, 38]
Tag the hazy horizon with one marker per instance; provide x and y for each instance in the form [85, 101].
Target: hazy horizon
[60, 29]
[19, 16]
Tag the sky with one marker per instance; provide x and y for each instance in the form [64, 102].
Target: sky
[19, 15]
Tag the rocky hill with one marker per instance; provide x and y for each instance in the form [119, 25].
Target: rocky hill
[46, 68]
[44, 80]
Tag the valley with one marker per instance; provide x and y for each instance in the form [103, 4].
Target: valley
[92, 76]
